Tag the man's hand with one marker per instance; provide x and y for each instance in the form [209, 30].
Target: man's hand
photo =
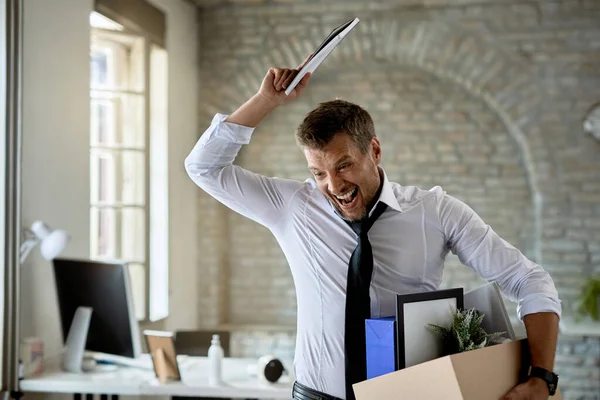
[542, 334]
[533, 389]
[270, 95]
[276, 82]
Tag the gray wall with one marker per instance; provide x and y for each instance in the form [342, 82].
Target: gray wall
[485, 100]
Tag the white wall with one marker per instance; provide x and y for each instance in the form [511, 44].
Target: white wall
[56, 151]
[55, 167]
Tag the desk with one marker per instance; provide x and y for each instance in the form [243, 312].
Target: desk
[142, 381]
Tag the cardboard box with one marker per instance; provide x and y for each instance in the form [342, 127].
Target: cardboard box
[484, 374]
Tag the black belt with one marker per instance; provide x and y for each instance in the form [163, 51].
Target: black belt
[301, 392]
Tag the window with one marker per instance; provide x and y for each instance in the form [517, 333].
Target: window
[128, 160]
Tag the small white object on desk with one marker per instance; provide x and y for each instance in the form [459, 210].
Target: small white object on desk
[31, 353]
[215, 356]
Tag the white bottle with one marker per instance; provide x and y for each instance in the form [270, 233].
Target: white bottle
[215, 357]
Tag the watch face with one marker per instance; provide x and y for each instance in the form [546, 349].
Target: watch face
[553, 385]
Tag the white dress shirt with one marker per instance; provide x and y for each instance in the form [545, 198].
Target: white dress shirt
[410, 241]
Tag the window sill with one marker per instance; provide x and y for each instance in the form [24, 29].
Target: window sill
[585, 327]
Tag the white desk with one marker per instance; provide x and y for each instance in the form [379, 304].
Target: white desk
[134, 381]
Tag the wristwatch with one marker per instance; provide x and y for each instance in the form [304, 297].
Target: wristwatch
[549, 377]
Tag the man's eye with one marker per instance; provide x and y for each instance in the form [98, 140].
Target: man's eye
[343, 166]
[318, 174]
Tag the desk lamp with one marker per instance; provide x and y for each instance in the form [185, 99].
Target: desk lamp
[52, 242]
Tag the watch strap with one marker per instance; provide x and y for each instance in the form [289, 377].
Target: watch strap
[550, 378]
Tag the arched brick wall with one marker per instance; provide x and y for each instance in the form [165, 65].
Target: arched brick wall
[526, 69]
[442, 55]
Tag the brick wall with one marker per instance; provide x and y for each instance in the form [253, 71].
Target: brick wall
[483, 99]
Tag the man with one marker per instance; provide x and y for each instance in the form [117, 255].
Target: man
[343, 275]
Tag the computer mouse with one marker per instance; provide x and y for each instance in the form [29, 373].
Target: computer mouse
[88, 364]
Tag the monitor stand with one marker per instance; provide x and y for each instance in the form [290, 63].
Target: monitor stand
[77, 359]
[76, 340]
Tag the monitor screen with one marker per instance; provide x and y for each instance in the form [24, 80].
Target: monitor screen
[103, 286]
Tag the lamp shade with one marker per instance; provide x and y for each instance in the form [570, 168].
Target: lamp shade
[52, 242]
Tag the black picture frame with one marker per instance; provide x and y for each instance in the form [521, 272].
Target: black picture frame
[402, 299]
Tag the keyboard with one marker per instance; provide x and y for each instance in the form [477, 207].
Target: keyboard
[144, 361]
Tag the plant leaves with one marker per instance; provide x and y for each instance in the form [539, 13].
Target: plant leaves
[464, 333]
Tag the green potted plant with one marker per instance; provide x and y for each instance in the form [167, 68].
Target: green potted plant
[464, 333]
[589, 300]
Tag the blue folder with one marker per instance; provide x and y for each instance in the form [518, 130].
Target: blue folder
[380, 343]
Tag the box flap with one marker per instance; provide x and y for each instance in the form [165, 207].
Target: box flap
[498, 366]
[413, 383]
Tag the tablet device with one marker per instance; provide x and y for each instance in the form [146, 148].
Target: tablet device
[321, 53]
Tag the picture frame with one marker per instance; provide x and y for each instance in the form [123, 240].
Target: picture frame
[415, 342]
[161, 346]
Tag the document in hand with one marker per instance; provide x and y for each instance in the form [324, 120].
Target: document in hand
[324, 49]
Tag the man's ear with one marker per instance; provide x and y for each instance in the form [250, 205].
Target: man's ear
[376, 150]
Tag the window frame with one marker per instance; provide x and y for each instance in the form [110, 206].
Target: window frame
[142, 87]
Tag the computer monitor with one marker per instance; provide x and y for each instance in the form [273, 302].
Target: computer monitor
[104, 287]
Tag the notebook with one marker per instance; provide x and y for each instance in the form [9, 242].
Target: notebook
[321, 53]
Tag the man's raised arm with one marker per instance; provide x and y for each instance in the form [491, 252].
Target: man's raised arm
[210, 163]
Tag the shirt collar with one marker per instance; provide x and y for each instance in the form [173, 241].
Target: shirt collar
[387, 195]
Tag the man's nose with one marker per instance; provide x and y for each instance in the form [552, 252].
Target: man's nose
[335, 185]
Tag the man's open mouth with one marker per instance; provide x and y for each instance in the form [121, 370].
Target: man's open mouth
[347, 199]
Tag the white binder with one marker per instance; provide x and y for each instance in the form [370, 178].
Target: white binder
[487, 299]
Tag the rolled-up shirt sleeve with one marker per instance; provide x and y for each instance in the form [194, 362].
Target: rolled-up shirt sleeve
[480, 248]
[210, 165]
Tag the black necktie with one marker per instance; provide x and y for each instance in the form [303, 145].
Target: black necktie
[358, 302]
